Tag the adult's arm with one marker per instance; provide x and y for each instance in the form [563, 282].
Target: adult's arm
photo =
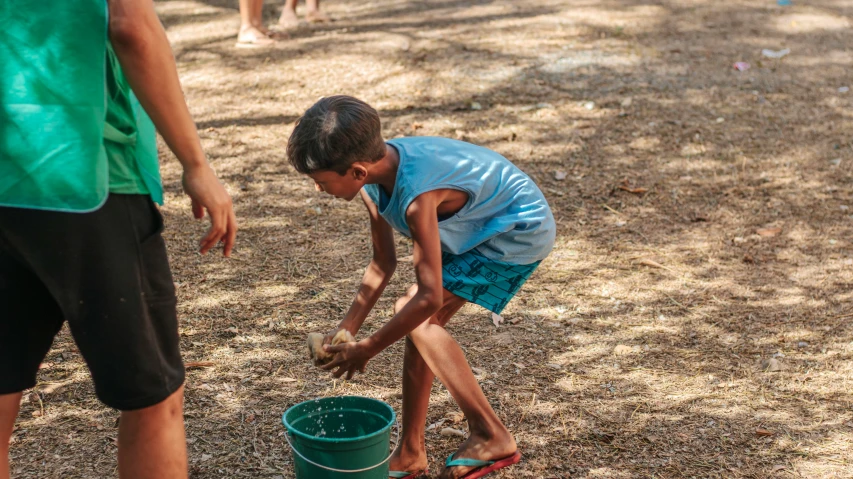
[146, 58]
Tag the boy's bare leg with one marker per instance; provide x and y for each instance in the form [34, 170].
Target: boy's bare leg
[288, 18]
[9, 404]
[489, 439]
[151, 441]
[417, 384]
[313, 13]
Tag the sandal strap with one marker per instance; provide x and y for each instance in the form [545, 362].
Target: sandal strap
[465, 461]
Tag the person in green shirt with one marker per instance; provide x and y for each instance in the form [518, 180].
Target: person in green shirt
[80, 235]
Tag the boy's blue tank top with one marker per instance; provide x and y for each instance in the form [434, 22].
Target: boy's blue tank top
[506, 218]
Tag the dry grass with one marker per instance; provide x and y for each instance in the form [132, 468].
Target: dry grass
[676, 275]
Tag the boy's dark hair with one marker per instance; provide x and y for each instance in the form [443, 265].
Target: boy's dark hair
[333, 134]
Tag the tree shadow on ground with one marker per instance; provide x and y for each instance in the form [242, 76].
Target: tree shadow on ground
[641, 347]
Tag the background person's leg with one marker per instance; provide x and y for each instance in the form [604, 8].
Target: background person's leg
[288, 18]
[151, 441]
[313, 13]
[9, 404]
[250, 18]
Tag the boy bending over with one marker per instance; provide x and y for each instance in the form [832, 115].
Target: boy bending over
[480, 227]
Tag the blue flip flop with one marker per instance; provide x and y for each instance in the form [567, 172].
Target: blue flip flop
[406, 475]
[483, 468]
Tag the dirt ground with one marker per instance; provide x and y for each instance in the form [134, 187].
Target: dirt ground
[694, 319]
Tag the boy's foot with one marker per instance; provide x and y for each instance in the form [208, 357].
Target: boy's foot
[253, 37]
[479, 448]
[410, 463]
[316, 16]
[288, 19]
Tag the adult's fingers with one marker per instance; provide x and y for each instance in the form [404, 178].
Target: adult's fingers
[230, 233]
[216, 232]
[198, 210]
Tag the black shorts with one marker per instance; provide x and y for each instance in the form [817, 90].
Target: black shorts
[107, 274]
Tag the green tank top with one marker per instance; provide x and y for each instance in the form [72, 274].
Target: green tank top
[71, 130]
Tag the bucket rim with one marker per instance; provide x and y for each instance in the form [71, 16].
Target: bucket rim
[290, 429]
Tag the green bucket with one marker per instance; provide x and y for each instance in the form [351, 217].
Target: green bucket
[340, 437]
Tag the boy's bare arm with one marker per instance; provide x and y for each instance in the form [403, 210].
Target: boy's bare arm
[143, 50]
[422, 219]
[378, 272]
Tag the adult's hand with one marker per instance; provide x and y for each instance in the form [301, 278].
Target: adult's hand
[208, 194]
[143, 50]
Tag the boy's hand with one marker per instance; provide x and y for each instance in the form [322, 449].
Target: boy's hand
[349, 358]
[331, 334]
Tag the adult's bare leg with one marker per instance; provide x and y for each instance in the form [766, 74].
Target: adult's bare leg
[9, 404]
[151, 441]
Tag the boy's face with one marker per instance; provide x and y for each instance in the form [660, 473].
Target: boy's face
[344, 186]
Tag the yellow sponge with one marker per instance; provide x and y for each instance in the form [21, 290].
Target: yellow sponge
[315, 346]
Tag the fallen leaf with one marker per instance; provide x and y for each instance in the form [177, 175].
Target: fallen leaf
[651, 263]
[497, 319]
[777, 468]
[436, 424]
[771, 365]
[637, 191]
[288, 380]
[198, 365]
[621, 350]
[763, 432]
[250, 419]
[767, 232]
[560, 175]
[478, 372]
[233, 330]
[519, 365]
[50, 388]
[449, 431]
[407, 259]
[456, 416]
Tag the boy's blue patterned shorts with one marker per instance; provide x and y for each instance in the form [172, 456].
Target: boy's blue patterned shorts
[483, 281]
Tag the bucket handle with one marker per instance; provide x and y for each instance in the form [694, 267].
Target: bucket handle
[309, 461]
